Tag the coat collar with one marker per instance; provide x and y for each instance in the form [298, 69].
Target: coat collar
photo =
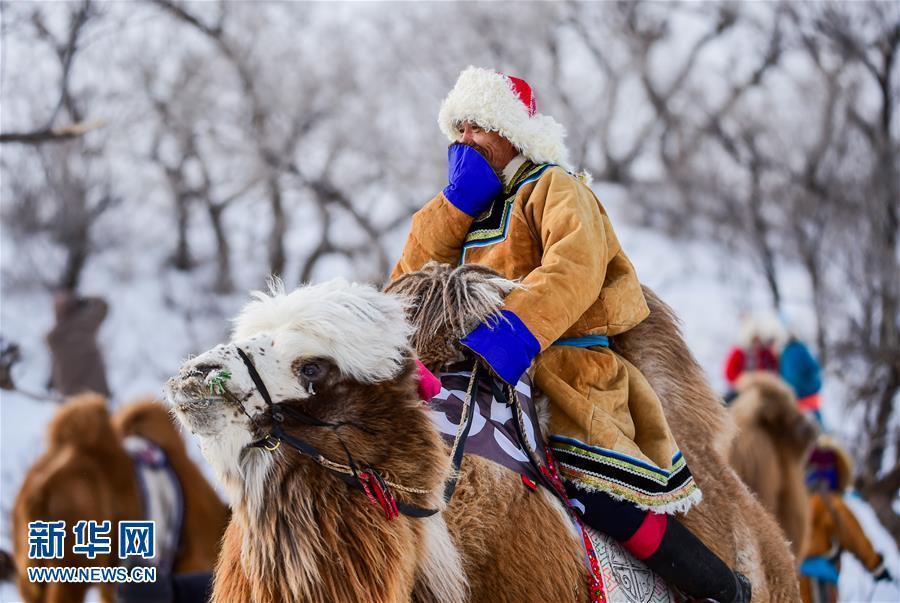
[512, 168]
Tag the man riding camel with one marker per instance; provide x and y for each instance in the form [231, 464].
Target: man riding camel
[513, 204]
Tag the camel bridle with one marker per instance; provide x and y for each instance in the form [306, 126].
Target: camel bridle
[358, 475]
[378, 489]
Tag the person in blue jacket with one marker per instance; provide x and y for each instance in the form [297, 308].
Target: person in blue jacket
[800, 369]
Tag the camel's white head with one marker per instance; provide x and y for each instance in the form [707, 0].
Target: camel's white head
[309, 338]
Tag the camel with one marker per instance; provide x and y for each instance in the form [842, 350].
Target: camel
[729, 520]
[771, 449]
[86, 473]
[331, 366]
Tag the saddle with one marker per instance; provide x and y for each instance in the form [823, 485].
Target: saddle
[162, 499]
[496, 432]
[508, 432]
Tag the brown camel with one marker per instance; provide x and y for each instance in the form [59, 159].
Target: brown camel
[336, 363]
[770, 451]
[729, 520]
[87, 474]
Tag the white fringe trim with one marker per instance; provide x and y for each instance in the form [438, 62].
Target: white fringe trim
[682, 505]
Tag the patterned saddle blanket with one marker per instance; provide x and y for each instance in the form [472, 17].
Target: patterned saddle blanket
[497, 432]
[161, 497]
[494, 430]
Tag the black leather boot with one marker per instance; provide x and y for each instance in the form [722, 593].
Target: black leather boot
[686, 564]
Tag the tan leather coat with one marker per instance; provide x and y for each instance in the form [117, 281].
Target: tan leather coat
[835, 528]
[553, 235]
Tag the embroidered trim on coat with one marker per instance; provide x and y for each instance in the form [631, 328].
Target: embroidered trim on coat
[624, 477]
[493, 225]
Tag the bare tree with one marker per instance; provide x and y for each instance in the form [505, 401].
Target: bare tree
[871, 40]
[65, 51]
[768, 129]
[270, 151]
[73, 190]
[816, 188]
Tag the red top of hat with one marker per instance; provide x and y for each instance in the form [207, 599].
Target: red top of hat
[525, 94]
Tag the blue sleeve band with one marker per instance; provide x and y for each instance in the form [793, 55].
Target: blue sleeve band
[506, 345]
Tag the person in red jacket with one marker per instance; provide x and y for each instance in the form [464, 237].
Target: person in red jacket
[754, 352]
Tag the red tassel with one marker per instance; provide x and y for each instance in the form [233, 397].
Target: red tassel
[379, 495]
[364, 480]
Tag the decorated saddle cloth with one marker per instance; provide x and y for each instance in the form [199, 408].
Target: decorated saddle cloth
[496, 432]
[162, 499]
[493, 435]
[495, 428]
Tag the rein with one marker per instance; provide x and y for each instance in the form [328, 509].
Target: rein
[367, 479]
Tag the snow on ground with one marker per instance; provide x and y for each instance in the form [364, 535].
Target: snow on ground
[159, 317]
[856, 584]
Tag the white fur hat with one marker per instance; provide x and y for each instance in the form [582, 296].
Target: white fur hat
[506, 105]
[765, 326]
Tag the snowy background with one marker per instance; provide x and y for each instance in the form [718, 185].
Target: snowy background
[224, 142]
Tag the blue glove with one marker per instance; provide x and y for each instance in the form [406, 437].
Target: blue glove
[507, 346]
[473, 182]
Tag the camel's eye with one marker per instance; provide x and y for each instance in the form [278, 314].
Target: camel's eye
[313, 370]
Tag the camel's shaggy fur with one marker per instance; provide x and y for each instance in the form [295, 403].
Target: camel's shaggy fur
[771, 450]
[299, 533]
[730, 521]
[445, 304]
[85, 473]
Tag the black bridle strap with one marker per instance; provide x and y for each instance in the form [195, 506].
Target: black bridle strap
[352, 478]
[254, 375]
[282, 408]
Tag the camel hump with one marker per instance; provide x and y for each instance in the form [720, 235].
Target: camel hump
[768, 383]
[83, 422]
[149, 419]
[658, 349]
[445, 302]
[763, 398]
